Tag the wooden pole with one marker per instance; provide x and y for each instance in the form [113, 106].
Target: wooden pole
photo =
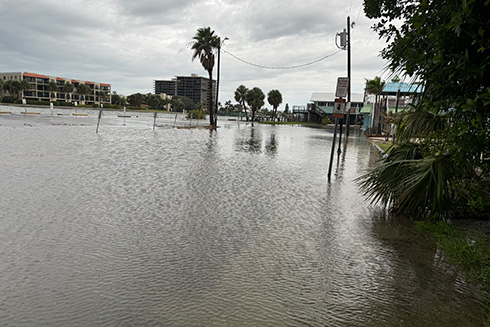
[333, 149]
[98, 121]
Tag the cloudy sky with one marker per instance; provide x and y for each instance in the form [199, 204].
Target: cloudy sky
[130, 43]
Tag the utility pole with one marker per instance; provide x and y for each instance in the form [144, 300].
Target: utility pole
[217, 83]
[349, 76]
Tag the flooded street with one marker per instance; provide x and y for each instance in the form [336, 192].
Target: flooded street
[187, 227]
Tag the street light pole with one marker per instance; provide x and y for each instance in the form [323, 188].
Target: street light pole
[217, 82]
[349, 76]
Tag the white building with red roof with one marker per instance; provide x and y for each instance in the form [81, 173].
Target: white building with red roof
[40, 89]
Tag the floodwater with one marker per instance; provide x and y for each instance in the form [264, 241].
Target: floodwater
[176, 227]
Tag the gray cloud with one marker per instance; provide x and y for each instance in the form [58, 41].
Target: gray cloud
[130, 43]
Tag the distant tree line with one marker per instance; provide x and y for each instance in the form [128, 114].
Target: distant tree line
[156, 102]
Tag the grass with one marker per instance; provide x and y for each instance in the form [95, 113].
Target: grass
[468, 249]
[385, 146]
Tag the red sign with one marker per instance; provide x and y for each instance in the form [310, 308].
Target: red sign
[339, 108]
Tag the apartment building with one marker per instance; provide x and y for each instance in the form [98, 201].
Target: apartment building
[39, 88]
[194, 87]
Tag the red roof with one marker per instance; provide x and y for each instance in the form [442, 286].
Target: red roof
[74, 81]
[89, 83]
[104, 84]
[35, 75]
[60, 79]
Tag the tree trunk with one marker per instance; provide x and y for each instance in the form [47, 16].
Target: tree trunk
[211, 115]
[245, 109]
[375, 116]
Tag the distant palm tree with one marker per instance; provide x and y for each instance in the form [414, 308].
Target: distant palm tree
[83, 90]
[375, 86]
[255, 99]
[205, 45]
[275, 99]
[52, 88]
[12, 87]
[102, 95]
[241, 97]
[24, 86]
[68, 88]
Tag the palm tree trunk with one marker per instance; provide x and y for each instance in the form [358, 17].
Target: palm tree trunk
[375, 116]
[211, 115]
[245, 109]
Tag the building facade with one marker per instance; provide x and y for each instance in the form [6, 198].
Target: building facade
[166, 87]
[40, 90]
[194, 87]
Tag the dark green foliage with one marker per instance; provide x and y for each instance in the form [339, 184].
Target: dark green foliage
[255, 99]
[135, 100]
[445, 45]
[275, 99]
[188, 103]
[205, 43]
[11, 100]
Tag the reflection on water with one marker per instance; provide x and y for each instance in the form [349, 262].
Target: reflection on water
[237, 227]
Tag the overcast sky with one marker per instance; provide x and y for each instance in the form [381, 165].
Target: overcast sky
[130, 43]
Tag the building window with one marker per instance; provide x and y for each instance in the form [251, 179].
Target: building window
[322, 104]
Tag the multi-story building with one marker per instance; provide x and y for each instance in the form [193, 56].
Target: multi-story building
[194, 87]
[166, 87]
[39, 88]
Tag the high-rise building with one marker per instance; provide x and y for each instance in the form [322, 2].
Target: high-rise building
[166, 87]
[39, 88]
[194, 87]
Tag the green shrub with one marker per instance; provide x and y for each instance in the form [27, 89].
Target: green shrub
[196, 114]
[325, 121]
[63, 104]
[10, 99]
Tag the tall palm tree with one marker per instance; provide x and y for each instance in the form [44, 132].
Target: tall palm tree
[241, 97]
[205, 44]
[255, 99]
[375, 86]
[275, 99]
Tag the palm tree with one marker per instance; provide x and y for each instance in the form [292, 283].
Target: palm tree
[52, 88]
[375, 86]
[241, 97]
[13, 87]
[275, 99]
[24, 86]
[205, 45]
[255, 99]
[83, 89]
[68, 88]
[102, 95]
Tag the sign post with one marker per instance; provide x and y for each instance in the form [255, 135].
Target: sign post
[342, 86]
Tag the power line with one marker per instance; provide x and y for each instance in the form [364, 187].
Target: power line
[286, 67]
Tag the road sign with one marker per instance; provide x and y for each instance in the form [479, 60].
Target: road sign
[339, 107]
[342, 86]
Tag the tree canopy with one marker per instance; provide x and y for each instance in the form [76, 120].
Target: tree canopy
[241, 97]
[275, 99]
[445, 46]
[205, 43]
[255, 99]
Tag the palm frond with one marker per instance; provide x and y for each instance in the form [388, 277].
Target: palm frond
[410, 183]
